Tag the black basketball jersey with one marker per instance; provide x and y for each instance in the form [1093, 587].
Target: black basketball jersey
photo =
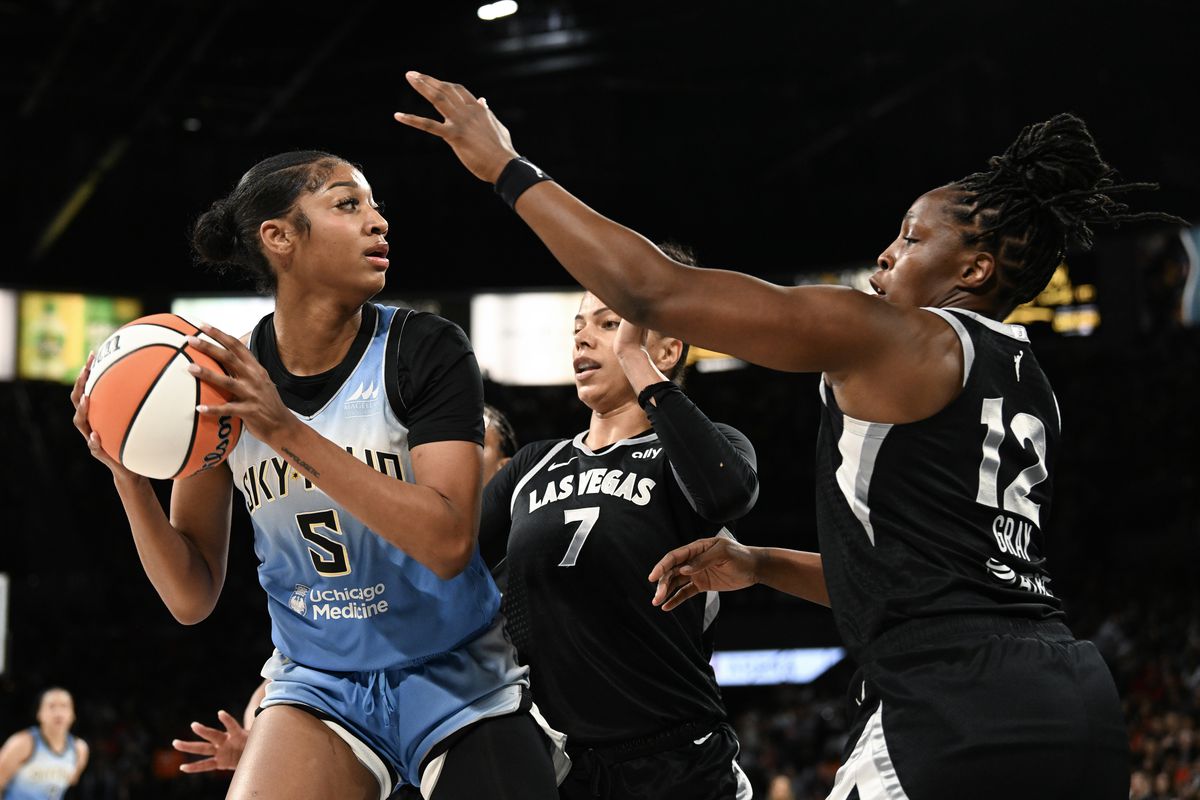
[945, 515]
[586, 529]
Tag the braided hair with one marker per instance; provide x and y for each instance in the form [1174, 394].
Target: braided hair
[1041, 197]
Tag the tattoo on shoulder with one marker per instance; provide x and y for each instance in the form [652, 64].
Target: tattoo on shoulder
[300, 462]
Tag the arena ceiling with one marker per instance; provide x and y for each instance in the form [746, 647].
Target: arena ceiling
[772, 136]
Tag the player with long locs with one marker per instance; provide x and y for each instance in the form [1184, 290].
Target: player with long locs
[936, 454]
[360, 465]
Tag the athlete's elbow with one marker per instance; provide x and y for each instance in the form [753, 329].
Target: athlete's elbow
[730, 505]
[454, 555]
[191, 612]
[453, 562]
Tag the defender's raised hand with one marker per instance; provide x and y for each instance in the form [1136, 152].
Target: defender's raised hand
[479, 140]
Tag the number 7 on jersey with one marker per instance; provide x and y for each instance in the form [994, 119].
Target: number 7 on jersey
[586, 517]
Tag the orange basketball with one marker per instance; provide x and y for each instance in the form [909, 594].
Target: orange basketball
[143, 400]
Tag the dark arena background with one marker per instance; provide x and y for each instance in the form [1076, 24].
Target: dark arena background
[784, 139]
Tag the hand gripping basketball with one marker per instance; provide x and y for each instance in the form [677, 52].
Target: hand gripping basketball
[137, 402]
[243, 387]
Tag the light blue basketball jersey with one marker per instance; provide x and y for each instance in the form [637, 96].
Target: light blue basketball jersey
[341, 598]
[47, 774]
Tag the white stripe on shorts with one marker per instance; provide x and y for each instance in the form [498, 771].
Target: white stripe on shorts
[366, 756]
[869, 767]
[744, 790]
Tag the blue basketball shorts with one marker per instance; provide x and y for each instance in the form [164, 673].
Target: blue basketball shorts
[399, 715]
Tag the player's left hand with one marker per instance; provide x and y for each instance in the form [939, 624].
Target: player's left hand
[221, 749]
[254, 397]
[717, 564]
[480, 141]
[630, 339]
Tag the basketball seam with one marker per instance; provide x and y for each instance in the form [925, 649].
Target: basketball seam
[195, 421]
[150, 390]
[137, 349]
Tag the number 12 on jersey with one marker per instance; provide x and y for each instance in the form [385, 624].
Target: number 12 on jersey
[586, 517]
[1029, 430]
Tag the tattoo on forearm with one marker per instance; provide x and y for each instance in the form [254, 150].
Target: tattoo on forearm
[300, 462]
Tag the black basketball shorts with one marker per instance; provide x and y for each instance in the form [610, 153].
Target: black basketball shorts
[704, 767]
[982, 708]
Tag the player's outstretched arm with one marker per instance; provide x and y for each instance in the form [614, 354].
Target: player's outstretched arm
[721, 564]
[806, 329]
[183, 556]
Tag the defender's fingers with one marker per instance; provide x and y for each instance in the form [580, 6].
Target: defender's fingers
[711, 556]
[211, 734]
[687, 592]
[194, 748]
[422, 124]
[229, 721]
[679, 556]
[667, 587]
[444, 96]
[207, 765]
[464, 94]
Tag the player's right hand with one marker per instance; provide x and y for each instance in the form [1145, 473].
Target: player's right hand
[716, 564]
[221, 749]
[480, 141]
[81, 401]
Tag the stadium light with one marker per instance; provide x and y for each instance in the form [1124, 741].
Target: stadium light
[501, 8]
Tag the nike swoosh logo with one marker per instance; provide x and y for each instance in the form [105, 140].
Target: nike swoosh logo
[563, 464]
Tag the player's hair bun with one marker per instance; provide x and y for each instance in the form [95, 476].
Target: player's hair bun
[215, 235]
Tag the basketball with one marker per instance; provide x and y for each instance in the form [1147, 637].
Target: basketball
[143, 400]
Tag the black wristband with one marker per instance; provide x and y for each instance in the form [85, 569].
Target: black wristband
[517, 176]
[654, 390]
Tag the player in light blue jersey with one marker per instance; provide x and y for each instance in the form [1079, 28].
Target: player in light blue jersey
[360, 467]
[43, 761]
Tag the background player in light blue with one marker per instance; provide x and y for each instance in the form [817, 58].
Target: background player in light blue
[360, 465]
[43, 761]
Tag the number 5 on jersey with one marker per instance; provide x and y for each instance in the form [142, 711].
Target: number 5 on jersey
[328, 555]
[586, 517]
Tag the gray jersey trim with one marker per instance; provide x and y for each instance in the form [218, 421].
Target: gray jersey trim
[512, 502]
[968, 346]
[859, 445]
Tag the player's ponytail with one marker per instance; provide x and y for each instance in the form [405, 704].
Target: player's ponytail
[1041, 197]
[226, 236]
